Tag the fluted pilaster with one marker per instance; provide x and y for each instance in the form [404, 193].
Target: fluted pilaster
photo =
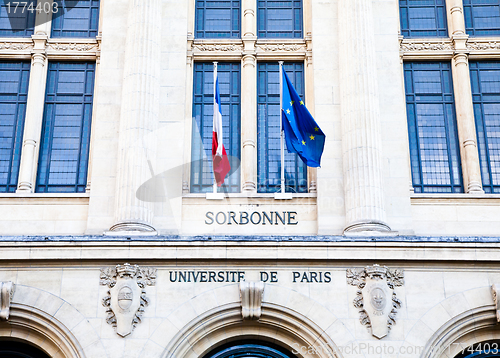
[34, 117]
[139, 116]
[361, 137]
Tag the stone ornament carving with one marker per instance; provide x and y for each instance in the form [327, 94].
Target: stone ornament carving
[73, 47]
[126, 297]
[251, 299]
[426, 46]
[6, 294]
[16, 46]
[483, 46]
[282, 47]
[217, 47]
[376, 299]
[495, 290]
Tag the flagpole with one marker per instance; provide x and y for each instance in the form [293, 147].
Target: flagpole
[281, 131]
[215, 103]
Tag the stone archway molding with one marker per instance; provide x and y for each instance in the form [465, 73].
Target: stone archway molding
[51, 324]
[280, 323]
[460, 317]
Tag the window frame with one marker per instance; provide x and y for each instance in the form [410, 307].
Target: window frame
[21, 95]
[404, 16]
[263, 10]
[263, 144]
[231, 127]
[43, 184]
[450, 127]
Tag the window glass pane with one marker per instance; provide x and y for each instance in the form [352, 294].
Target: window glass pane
[17, 21]
[217, 19]
[14, 78]
[434, 152]
[485, 79]
[422, 18]
[64, 149]
[268, 131]
[76, 18]
[201, 144]
[482, 17]
[279, 19]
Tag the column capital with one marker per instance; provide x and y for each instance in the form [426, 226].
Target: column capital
[249, 60]
[461, 59]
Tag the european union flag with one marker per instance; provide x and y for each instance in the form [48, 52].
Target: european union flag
[302, 134]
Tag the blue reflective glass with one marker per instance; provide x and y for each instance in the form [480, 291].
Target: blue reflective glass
[17, 20]
[76, 18]
[432, 128]
[422, 18]
[201, 144]
[64, 148]
[485, 81]
[279, 19]
[482, 17]
[14, 77]
[217, 19]
[268, 131]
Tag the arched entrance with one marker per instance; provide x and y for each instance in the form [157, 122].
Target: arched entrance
[249, 349]
[18, 349]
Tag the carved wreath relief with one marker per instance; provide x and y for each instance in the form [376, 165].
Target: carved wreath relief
[376, 299]
[126, 297]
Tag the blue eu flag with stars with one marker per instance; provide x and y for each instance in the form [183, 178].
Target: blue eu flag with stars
[302, 134]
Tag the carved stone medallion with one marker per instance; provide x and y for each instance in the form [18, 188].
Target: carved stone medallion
[376, 299]
[126, 297]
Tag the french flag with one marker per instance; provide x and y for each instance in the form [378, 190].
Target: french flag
[220, 161]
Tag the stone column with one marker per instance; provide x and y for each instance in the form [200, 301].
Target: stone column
[361, 137]
[249, 99]
[466, 125]
[139, 116]
[34, 117]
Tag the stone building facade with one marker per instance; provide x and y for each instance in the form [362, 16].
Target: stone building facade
[112, 244]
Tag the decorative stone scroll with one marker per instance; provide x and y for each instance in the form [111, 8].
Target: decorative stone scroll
[483, 46]
[16, 46]
[126, 297]
[495, 290]
[73, 47]
[282, 47]
[217, 47]
[6, 294]
[251, 299]
[376, 299]
[426, 46]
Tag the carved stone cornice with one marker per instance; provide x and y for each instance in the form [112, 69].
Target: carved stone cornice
[477, 47]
